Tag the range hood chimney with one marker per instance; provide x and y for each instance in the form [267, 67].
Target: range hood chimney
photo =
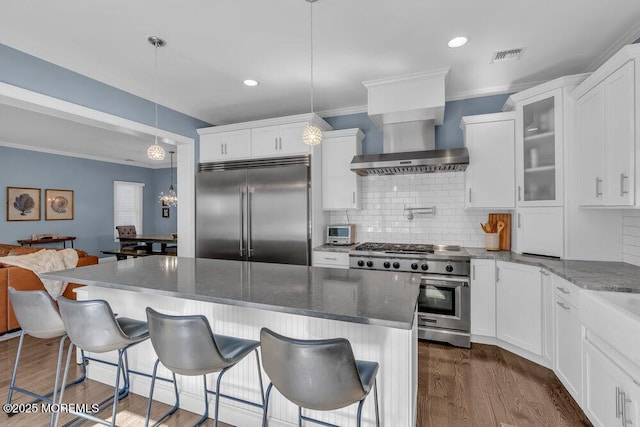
[407, 109]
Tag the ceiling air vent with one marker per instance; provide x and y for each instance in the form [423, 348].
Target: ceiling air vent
[507, 55]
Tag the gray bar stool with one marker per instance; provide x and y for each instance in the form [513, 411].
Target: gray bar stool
[186, 345]
[321, 375]
[92, 326]
[38, 317]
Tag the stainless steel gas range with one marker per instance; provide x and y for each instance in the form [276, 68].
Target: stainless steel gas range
[444, 308]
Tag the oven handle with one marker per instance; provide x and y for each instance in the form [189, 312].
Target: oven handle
[443, 281]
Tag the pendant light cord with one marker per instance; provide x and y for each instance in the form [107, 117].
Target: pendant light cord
[156, 86]
[311, 50]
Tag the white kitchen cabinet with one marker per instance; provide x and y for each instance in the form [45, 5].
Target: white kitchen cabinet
[606, 134]
[519, 306]
[568, 337]
[483, 297]
[611, 397]
[540, 231]
[282, 140]
[225, 146]
[330, 259]
[539, 150]
[490, 176]
[340, 186]
[279, 137]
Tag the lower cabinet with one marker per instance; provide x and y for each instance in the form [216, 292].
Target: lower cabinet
[330, 259]
[568, 339]
[483, 297]
[611, 397]
[519, 306]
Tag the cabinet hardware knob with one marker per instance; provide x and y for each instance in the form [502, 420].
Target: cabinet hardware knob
[563, 290]
[563, 305]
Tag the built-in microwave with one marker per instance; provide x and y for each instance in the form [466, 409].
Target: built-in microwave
[341, 234]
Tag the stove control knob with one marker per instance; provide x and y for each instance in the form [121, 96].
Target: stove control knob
[414, 266]
[449, 268]
[424, 267]
[396, 265]
[369, 263]
[387, 264]
[361, 263]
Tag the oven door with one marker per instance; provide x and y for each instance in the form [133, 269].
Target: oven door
[444, 302]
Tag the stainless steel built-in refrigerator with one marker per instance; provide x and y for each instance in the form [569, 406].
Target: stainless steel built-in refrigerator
[254, 210]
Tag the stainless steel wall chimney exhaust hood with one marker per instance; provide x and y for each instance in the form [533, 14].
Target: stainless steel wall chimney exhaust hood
[407, 109]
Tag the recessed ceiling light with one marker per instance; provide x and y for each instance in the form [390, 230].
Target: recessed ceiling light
[250, 82]
[458, 41]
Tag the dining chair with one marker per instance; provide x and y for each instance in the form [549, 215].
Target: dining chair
[128, 231]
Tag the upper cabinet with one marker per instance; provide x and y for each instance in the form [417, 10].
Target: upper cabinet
[340, 186]
[225, 146]
[539, 150]
[606, 132]
[278, 137]
[490, 176]
[283, 140]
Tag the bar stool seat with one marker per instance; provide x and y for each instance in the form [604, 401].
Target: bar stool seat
[186, 345]
[92, 326]
[321, 375]
[38, 317]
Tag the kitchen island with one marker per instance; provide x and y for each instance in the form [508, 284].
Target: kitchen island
[375, 310]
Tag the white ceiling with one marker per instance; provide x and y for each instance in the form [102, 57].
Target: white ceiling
[212, 46]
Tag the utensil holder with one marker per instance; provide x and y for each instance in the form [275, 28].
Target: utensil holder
[492, 241]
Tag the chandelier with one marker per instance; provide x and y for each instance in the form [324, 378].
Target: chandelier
[312, 135]
[170, 199]
[155, 151]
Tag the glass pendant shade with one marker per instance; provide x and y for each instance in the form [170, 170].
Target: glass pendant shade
[312, 135]
[155, 152]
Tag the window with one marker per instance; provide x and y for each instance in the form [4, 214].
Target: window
[127, 205]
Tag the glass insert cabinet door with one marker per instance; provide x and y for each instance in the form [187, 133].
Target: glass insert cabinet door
[539, 143]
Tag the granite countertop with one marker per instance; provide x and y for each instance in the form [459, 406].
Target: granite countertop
[591, 275]
[379, 298]
[335, 248]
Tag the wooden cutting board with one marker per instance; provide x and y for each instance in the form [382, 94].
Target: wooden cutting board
[505, 234]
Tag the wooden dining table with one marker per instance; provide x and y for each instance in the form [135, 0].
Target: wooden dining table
[150, 239]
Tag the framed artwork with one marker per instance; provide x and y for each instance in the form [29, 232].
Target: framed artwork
[165, 212]
[164, 202]
[59, 204]
[23, 204]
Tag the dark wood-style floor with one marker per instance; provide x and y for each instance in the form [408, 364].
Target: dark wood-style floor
[484, 386]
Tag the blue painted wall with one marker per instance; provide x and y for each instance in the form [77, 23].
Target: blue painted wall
[448, 135]
[92, 183]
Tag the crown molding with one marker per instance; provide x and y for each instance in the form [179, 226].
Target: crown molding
[630, 36]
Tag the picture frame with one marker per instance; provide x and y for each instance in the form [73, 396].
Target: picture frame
[23, 204]
[59, 204]
[165, 212]
[164, 202]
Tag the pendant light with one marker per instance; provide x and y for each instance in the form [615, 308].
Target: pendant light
[156, 152]
[312, 135]
[170, 199]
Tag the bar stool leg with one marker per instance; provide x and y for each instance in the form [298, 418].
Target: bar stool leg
[218, 394]
[260, 376]
[375, 395]
[175, 406]
[299, 416]
[266, 405]
[360, 412]
[204, 417]
[15, 368]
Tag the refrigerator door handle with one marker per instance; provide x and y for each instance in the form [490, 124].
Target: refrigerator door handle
[241, 197]
[249, 221]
